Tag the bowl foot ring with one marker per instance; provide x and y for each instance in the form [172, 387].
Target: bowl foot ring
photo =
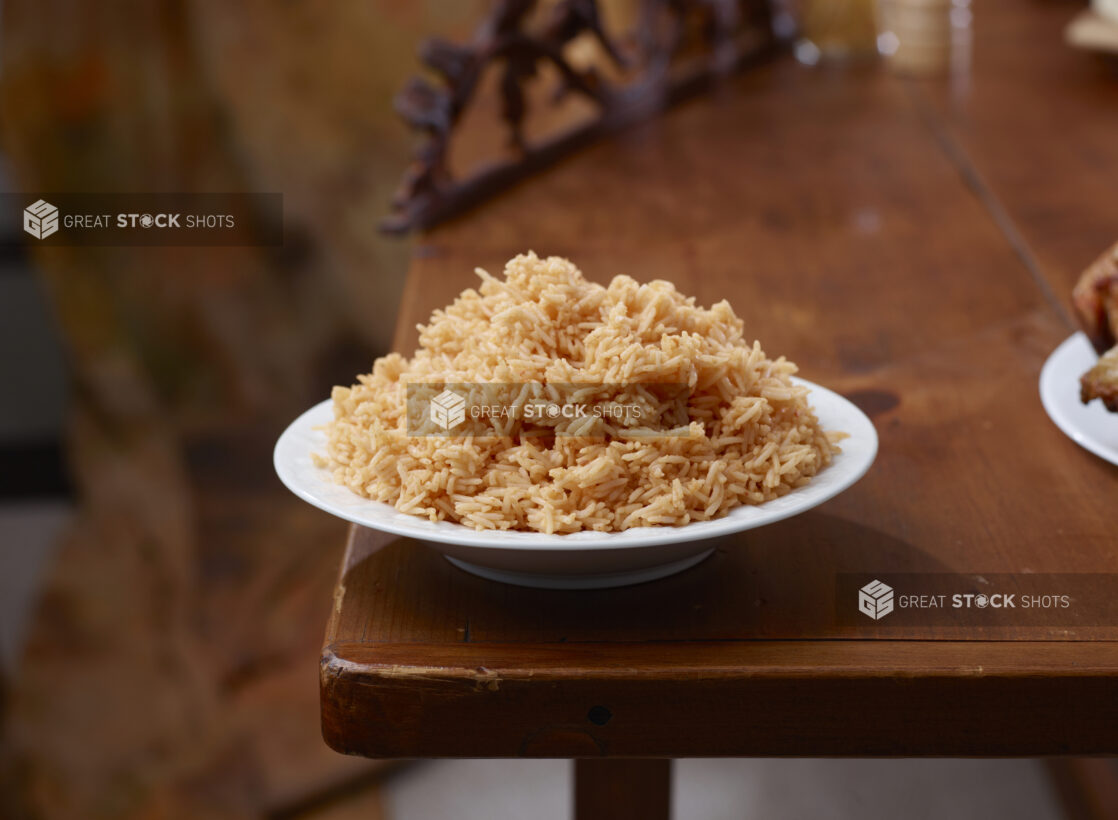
[596, 581]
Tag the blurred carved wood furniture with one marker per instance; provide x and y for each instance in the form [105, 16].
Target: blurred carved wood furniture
[910, 244]
[667, 51]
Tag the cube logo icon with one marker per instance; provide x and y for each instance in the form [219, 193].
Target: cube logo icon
[876, 599]
[448, 409]
[40, 219]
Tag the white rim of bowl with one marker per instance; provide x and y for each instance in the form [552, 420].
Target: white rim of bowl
[739, 519]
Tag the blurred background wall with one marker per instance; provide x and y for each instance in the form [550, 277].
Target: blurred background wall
[169, 666]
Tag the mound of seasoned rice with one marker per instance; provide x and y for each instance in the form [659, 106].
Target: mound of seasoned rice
[742, 433]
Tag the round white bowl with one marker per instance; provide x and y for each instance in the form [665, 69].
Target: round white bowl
[581, 560]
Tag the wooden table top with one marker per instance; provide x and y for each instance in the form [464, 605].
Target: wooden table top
[910, 244]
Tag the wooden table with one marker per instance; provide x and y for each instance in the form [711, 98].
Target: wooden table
[909, 244]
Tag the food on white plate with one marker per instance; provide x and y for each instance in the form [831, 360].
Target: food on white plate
[1101, 381]
[1095, 299]
[739, 432]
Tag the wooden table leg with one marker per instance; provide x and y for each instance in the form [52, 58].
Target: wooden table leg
[620, 789]
[1087, 786]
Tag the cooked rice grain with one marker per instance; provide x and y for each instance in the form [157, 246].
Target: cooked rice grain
[748, 434]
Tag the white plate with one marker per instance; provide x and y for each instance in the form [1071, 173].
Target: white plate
[582, 559]
[1091, 426]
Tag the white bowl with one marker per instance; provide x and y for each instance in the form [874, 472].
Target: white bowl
[581, 560]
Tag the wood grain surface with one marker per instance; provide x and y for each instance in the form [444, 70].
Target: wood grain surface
[909, 244]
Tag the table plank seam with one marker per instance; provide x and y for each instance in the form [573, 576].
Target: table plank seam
[973, 180]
